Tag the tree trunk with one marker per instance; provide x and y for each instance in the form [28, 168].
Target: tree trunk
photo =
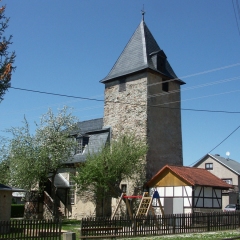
[53, 195]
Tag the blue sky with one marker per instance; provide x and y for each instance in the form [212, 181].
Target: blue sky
[67, 47]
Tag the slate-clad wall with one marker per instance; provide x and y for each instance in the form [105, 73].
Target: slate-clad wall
[163, 125]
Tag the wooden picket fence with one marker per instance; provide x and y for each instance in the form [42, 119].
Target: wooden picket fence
[159, 225]
[30, 229]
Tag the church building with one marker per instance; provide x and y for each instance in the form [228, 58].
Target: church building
[142, 96]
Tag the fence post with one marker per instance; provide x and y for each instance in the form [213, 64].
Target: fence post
[238, 219]
[174, 224]
[135, 226]
[208, 222]
[81, 223]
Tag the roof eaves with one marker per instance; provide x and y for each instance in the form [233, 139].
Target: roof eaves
[200, 160]
[113, 77]
[123, 74]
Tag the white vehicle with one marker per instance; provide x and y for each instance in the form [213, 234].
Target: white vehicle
[230, 208]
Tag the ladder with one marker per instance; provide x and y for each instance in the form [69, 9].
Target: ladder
[145, 205]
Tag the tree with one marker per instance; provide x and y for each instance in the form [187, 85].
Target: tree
[6, 58]
[4, 162]
[35, 158]
[100, 176]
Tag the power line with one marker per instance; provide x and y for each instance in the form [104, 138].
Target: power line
[197, 74]
[225, 138]
[195, 87]
[219, 143]
[119, 102]
[154, 95]
[58, 94]
[189, 99]
[159, 94]
[235, 14]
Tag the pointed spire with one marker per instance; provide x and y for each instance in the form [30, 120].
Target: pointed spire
[138, 55]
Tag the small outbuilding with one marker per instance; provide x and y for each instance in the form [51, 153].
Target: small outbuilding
[6, 201]
[187, 189]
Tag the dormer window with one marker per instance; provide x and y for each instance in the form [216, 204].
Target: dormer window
[82, 142]
[159, 59]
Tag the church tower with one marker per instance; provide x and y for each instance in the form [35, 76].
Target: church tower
[142, 96]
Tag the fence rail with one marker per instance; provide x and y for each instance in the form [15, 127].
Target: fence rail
[30, 229]
[162, 225]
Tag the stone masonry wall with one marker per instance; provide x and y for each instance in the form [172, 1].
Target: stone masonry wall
[149, 112]
[126, 111]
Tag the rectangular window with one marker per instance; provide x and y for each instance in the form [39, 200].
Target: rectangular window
[124, 188]
[81, 144]
[165, 86]
[209, 166]
[72, 190]
[122, 85]
[227, 180]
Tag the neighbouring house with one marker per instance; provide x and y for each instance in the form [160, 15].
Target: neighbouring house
[142, 96]
[225, 168]
[187, 190]
[18, 197]
[6, 201]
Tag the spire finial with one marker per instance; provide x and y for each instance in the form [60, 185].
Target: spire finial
[143, 12]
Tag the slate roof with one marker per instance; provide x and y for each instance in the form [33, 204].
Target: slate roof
[231, 164]
[7, 188]
[89, 126]
[98, 137]
[193, 176]
[60, 181]
[136, 56]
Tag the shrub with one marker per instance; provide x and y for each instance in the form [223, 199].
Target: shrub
[17, 210]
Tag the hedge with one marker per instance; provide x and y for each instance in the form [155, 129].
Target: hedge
[17, 210]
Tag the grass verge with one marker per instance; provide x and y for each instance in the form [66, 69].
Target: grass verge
[74, 226]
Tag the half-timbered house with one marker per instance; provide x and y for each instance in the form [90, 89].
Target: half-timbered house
[226, 169]
[187, 189]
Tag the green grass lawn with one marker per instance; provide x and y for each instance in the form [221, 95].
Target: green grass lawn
[193, 236]
[74, 226]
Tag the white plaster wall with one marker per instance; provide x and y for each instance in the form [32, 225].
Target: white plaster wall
[219, 170]
[225, 201]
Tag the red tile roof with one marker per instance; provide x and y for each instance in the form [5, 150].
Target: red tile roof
[194, 176]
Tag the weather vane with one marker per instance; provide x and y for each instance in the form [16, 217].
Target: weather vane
[143, 12]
